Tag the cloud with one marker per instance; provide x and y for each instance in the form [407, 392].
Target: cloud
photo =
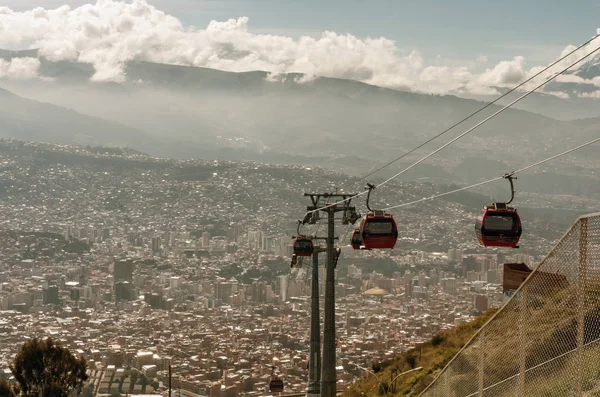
[111, 33]
[593, 95]
[570, 78]
[19, 68]
[559, 94]
[505, 73]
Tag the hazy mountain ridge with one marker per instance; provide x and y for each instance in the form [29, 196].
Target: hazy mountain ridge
[197, 103]
[26, 119]
[180, 111]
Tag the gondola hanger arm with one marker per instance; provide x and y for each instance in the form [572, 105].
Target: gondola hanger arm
[370, 187]
[510, 176]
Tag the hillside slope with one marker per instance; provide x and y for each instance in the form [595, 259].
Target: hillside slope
[339, 124]
[26, 119]
[432, 356]
[258, 111]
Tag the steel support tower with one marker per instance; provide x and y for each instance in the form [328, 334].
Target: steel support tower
[314, 373]
[319, 204]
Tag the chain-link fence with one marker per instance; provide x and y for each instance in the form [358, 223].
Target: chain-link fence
[545, 341]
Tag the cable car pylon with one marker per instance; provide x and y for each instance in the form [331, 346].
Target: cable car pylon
[314, 361]
[314, 354]
[328, 373]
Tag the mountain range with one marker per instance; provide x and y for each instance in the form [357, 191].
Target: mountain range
[179, 111]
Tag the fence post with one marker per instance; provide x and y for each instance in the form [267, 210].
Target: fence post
[581, 302]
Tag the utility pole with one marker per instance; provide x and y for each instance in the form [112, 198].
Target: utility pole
[328, 374]
[169, 379]
[314, 373]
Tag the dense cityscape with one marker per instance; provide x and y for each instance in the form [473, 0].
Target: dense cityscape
[139, 263]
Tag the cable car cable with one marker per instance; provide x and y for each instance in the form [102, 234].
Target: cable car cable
[480, 110]
[495, 179]
[467, 131]
[489, 117]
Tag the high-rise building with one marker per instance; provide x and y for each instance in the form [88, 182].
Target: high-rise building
[524, 258]
[489, 264]
[449, 284]
[155, 244]
[75, 294]
[352, 270]
[68, 233]
[492, 276]
[51, 295]
[224, 290]
[174, 282]
[470, 263]
[385, 283]
[205, 240]
[123, 270]
[123, 291]
[87, 292]
[455, 254]
[481, 303]
[154, 300]
[268, 244]
[131, 237]
[83, 275]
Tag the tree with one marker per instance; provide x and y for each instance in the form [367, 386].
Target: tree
[5, 389]
[45, 368]
[411, 359]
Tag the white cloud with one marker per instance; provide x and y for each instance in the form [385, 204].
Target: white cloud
[305, 78]
[19, 68]
[570, 78]
[110, 33]
[559, 94]
[593, 95]
[505, 73]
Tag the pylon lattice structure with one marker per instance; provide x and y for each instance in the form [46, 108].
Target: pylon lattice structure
[545, 341]
[328, 364]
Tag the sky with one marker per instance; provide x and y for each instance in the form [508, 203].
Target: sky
[425, 45]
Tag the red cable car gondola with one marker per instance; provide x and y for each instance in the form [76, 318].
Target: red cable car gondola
[276, 385]
[357, 240]
[378, 229]
[303, 246]
[499, 225]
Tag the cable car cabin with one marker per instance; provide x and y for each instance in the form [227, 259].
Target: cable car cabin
[498, 225]
[379, 231]
[276, 385]
[357, 240]
[303, 246]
